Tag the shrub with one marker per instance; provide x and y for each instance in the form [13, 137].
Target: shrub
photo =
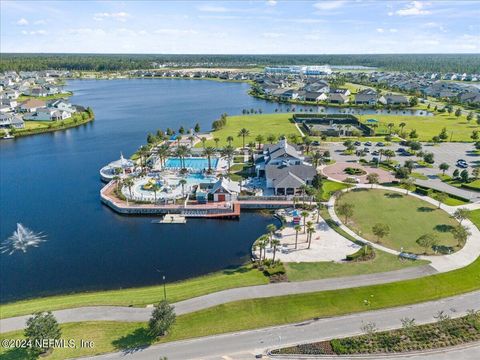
[366, 252]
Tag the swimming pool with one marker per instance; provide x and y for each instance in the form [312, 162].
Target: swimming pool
[191, 163]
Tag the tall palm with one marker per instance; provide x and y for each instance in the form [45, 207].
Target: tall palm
[116, 178]
[203, 140]
[228, 152]
[319, 206]
[271, 138]
[191, 138]
[304, 214]
[179, 137]
[162, 152]
[183, 182]
[155, 187]
[209, 152]
[316, 157]
[229, 140]
[182, 152]
[297, 229]
[311, 230]
[128, 182]
[217, 140]
[243, 133]
[259, 139]
[274, 243]
[271, 228]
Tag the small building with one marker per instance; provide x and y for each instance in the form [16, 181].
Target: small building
[11, 120]
[337, 98]
[391, 99]
[32, 105]
[366, 99]
[225, 190]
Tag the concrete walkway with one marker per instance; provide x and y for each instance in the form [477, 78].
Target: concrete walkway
[246, 344]
[442, 263]
[123, 313]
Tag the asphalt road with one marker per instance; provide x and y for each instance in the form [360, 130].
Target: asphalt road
[123, 313]
[244, 345]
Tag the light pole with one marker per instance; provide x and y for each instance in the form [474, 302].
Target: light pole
[164, 289]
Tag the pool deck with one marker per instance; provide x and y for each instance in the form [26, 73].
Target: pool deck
[209, 210]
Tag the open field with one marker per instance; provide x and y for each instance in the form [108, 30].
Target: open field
[408, 218]
[329, 187]
[428, 126]
[264, 124]
[243, 276]
[321, 270]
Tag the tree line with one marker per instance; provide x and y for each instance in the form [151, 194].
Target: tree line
[459, 63]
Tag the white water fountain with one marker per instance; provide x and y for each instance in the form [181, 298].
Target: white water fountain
[21, 240]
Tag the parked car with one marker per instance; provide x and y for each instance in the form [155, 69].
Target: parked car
[380, 144]
[462, 164]
[375, 159]
[375, 152]
[357, 143]
[315, 143]
[367, 150]
[368, 143]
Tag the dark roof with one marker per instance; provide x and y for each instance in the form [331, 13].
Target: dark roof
[279, 174]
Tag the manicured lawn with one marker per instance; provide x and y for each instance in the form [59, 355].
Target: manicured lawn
[329, 187]
[243, 276]
[264, 124]
[322, 270]
[33, 127]
[256, 313]
[473, 185]
[408, 218]
[429, 126]
[49, 97]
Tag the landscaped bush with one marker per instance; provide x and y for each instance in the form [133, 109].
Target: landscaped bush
[274, 269]
[354, 171]
[366, 252]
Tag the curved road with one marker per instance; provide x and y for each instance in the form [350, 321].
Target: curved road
[245, 344]
[123, 313]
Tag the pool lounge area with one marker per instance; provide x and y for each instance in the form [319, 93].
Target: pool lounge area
[191, 163]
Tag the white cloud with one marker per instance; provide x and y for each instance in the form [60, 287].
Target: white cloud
[210, 8]
[272, 35]
[380, 30]
[22, 22]
[176, 32]
[393, 30]
[413, 9]
[120, 16]
[329, 5]
[40, 22]
[34, 32]
[272, 2]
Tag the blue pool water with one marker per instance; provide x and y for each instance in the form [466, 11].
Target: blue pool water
[191, 163]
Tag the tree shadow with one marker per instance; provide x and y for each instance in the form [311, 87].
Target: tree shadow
[393, 195]
[425, 209]
[236, 270]
[443, 228]
[135, 341]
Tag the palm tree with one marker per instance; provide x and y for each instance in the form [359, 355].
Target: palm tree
[303, 188]
[191, 138]
[203, 139]
[116, 178]
[297, 229]
[230, 140]
[274, 243]
[316, 157]
[183, 182]
[182, 152]
[259, 139]
[401, 126]
[162, 152]
[304, 214]
[271, 138]
[128, 182]
[319, 206]
[243, 133]
[228, 152]
[311, 230]
[155, 187]
[390, 127]
[208, 152]
[217, 140]
[271, 228]
[179, 137]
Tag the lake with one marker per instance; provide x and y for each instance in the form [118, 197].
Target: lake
[50, 183]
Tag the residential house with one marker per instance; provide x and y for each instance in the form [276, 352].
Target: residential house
[367, 99]
[315, 96]
[345, 92]
[337, 98]
[32, 105]
[11, 120]
[48, 114]
[63, 106]
[391, 99]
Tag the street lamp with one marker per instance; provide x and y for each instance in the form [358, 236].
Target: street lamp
[164, 284]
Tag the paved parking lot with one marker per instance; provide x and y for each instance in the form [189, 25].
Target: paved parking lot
[445, 152]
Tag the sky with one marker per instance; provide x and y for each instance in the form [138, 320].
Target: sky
[240, 27]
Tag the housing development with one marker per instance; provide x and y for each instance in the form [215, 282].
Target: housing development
[309, 203]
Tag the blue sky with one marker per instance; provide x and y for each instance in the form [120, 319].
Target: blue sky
[241, 27]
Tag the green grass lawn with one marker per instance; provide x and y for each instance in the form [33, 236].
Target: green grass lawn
[49, 97]
[323, 270]
[243, 276]
[407, 216]
[33, 127]
[256, 313]
[329, 187]
[472, 185]
[428, 126]
[264, 124]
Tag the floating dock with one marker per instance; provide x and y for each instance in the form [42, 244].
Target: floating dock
[172, 219]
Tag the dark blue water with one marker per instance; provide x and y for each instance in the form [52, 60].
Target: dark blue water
[50, 183]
